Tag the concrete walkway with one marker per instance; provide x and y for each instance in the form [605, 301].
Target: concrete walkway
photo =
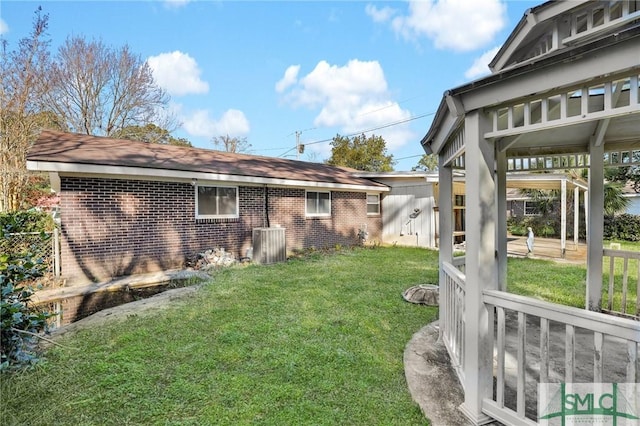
[548, 248]
[434, 386]
[432, 382]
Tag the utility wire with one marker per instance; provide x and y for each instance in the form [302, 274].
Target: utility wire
[411, 156]
[384, 126]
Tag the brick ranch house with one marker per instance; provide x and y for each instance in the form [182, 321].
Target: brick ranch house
[129, 207]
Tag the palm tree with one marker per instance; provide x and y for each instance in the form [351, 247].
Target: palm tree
[614, 202]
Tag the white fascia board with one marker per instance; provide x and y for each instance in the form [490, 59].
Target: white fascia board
[446, 128]
[531, 18]
[569, 73]
[122, 172]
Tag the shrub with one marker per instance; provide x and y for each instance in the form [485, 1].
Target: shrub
[19, 322]
[26, 221]
[624, 227]
[542, 226]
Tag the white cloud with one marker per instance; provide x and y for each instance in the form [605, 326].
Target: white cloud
[460, 25]
[380, 15]
[353, 98]
[4, 28]
[480, 65]
[290, 78]
[199, 123]
[178, 73]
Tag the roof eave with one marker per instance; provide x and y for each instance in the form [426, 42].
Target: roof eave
[529, 20]
[124, 172]
[444, 109]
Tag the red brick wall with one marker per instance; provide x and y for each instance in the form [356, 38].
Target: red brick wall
[120, 227]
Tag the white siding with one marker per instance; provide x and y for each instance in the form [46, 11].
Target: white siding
[397, 207]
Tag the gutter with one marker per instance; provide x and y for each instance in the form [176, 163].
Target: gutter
[123, 172]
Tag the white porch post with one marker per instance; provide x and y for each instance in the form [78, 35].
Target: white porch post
[481, 270]
[563, 220]
[576, 215]
[501, 229]
[445, 214]
[595, 227]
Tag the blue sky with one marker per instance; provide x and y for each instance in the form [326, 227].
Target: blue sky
[265, 70]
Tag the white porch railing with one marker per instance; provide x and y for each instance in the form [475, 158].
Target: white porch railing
[452, 314]
[571, 341]
[537, 342]
[620, 299]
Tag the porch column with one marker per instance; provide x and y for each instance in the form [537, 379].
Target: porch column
[595, 227]
[563, 220]
[481, 269]
[445, 215]
[576, 216]
[501, 229]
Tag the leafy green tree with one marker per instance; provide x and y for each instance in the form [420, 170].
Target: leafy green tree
[614, 202]
[624, 175]
[614, 180]
[150, 133]
[363, 153]
[231, 144]
[428, 163]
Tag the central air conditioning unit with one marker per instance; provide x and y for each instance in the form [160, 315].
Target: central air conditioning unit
[269, 245]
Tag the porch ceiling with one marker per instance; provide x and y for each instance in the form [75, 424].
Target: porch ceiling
[544, 181]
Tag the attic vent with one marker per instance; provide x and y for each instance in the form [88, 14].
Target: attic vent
[269, 245]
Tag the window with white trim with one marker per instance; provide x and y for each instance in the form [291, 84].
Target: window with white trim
[318, 203]
[373, 204]
[532, 208]
[216, 202]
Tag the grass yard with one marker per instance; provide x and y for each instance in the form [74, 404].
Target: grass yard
[547, 280]
[317, 340]
[565, 283]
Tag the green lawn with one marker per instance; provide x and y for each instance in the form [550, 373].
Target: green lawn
[564, 283]
[317, 340]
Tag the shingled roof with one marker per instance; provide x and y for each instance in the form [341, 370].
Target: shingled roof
[71, 152]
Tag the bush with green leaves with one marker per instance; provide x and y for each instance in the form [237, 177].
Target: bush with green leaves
[26, 221]
[624, 227]
[542, 226]
[19, 322]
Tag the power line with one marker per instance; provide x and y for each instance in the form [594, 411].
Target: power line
[392, 104]
[384, 126]
[411, 156]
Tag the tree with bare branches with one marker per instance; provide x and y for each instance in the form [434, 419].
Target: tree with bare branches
[231, 144]
[87, 88]
[21, 115]
[150, 133]
[98, 90]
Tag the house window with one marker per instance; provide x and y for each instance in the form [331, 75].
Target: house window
[531, 208]
[373, 204]
[318, 203]
[215, 202]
